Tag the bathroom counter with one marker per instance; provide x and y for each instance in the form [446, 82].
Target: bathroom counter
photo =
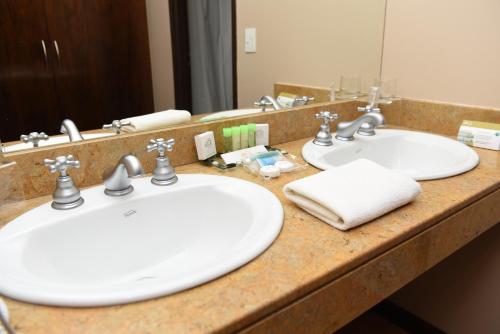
[313, 278]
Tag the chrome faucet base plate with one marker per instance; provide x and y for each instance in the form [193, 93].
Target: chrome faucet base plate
[322, 143]
[344, 138]
[168, 182]
[366, 133]
[67, 206]
[117, 193]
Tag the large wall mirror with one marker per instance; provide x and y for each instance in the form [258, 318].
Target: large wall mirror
[73, 66]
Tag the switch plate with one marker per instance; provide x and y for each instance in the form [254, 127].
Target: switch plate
[250, 40]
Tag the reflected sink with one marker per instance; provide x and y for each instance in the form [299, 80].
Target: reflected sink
[55, 140]
[152, 242]
[229, 113]
[422, 156]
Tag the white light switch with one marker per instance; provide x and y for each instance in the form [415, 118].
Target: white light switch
[250, 40]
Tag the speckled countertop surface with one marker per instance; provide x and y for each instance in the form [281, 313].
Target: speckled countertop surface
[307, 254]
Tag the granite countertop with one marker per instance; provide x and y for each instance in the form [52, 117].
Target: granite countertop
[306, 255]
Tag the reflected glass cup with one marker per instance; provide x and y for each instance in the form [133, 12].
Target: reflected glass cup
[349, 87]
[333, 92]
[388, 88]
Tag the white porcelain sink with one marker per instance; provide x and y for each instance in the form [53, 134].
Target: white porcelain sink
[229, 113]
[422, 156]
[55, 140]
[152, 242]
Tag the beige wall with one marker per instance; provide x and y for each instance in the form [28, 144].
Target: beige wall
[449, 51]
[307, 42]
[445, 50]
[161, 54]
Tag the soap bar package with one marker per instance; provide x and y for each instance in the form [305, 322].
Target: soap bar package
[286, 100]
[480, 134]
[272, 164]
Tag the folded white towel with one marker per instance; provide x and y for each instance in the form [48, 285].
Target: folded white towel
[157, 120]
[352, 194]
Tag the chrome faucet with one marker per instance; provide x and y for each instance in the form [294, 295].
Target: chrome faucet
[68, 127]
[302, 101]
[268, 101]
[164, 172]
[67, 195]
[324, 136]
[118, 182]
[373, 100]
[346, 130]
[4, 321]
[34, 138]
[116, 126]
[368, 129]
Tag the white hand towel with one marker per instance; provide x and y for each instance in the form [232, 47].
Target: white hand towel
[157, 120]
[352, 194]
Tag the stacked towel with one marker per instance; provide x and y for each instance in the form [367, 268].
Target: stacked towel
[157, 120]
[352, 194]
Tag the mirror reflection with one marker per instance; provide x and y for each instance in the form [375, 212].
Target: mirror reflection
[84, 69]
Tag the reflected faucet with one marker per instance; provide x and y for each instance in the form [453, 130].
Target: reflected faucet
[68, 127]
[268, 101]
[373, 101]
[118, 182]
[303, 100]
[34, 138]
[346, 130]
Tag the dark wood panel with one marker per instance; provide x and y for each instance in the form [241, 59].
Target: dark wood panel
[181, 54]
[234, 38]
[27, 96]
[104, 70]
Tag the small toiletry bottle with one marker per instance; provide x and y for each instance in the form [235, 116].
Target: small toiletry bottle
[251, 134]
[262, 134]
[244, 136]
[228, 139]
[236, 133]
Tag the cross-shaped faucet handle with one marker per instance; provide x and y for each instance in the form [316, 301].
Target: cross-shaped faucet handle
[327, 116]
[116, 125]
[34, 137]
[161, 145]
[61, 164]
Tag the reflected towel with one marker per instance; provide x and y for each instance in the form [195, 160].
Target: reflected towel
[157, 120]
[352, 194]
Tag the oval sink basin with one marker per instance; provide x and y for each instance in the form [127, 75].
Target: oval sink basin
[54, 140]
[152, 242]
[422, 156]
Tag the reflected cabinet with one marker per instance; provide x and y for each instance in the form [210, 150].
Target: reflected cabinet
[87, 60]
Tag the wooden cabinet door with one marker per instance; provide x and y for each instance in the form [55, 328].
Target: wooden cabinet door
[103, 68]
[27, 92]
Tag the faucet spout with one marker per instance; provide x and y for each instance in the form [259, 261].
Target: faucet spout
[118, 182]
[346, 130]
[69, 127]
[268, 101]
